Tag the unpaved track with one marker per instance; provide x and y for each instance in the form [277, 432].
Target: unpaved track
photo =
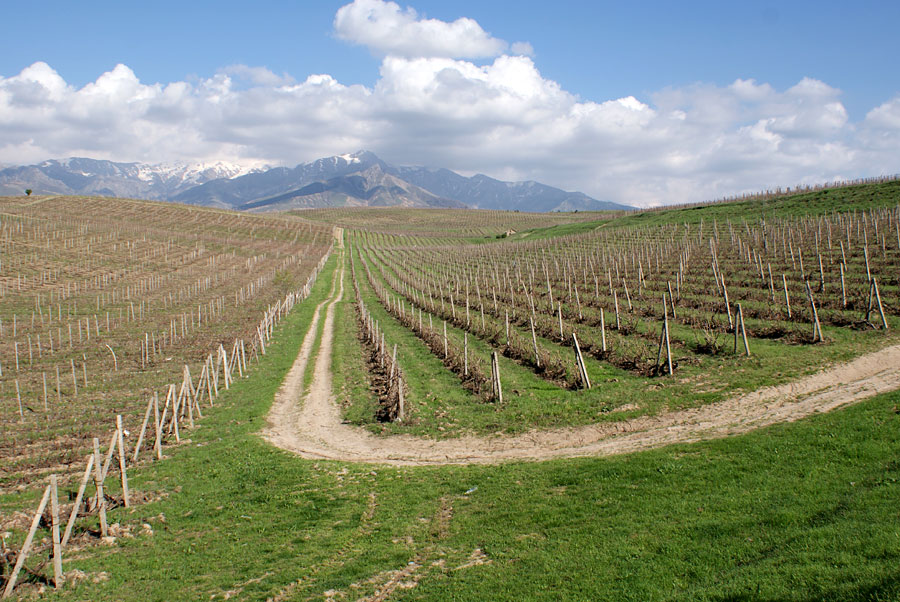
[312, 427]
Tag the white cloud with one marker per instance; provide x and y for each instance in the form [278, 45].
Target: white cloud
[885, 116]
[387, 30]
[522, 48]
[259, 76]
[429, 106]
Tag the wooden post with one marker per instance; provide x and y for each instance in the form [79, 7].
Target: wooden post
[19, 398]
[743, 330]
[561, 335]
[727, 303]
[602, 330]
[817, 327]
[507, 327]
[579, 360]
[537, 358]
[157, 443]
[821, 275]
[74, 514]
[400, 403]
[843, 289]
[616, 302]
[54, 533]
[445, 339]
[787, 298]
[668, 346]
[495, 372]
[137, 447]
[98, 484]
[23, 553]
[880, 307]
[466, 354]
[671, 299]
[176, 400]
[662, 337]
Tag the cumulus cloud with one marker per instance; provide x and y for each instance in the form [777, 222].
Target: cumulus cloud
[386, 29]
[431, 106]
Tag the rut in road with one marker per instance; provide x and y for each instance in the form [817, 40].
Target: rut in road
[311, 426]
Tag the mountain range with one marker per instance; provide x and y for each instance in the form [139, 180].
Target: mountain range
[358, 179]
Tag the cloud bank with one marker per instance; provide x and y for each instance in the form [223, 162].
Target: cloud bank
[432, 105]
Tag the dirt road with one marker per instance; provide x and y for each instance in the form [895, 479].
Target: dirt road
[311, 426]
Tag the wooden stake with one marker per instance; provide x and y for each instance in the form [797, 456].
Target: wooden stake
[671, 299]
[137, 447]
[498, 388]
[466, 354]
[561, 335]
[74, 380]
[817, 327]
[743, 331]
[54, 533]
[26, 547]
[602, 330]
[98, 484]
[727, 303]
[669, 348]
[400, 402]
[74, 514]
[157, 423]
[579, 360]
[616, 302]
[880, 307]
[507, 327]
[19, 398]
[787, 298]
[537, 358]
[843, 289]
[113, 442]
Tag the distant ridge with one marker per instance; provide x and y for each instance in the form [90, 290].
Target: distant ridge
[357, 179]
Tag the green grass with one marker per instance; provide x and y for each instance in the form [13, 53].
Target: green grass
[860, 197]
[822, 202]
[793, 512]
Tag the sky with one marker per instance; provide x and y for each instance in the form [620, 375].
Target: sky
[643, 103]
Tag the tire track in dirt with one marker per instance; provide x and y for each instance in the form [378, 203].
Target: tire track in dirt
[315, 430]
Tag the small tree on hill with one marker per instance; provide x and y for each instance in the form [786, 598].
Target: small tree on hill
[28, 191]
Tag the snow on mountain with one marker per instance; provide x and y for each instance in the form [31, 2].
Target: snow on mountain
[359, 178]
[77, 175]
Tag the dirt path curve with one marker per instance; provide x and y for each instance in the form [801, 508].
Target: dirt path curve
[315, 430]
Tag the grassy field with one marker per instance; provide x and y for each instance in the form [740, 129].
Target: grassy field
[794, 512]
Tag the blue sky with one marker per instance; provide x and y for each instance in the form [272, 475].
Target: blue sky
[674, 60]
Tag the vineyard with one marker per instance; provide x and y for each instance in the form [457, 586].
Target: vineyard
[372, 342]
[447, 224]
[103, 303]
[636, 318]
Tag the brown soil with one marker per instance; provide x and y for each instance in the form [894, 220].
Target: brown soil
[312, 428]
